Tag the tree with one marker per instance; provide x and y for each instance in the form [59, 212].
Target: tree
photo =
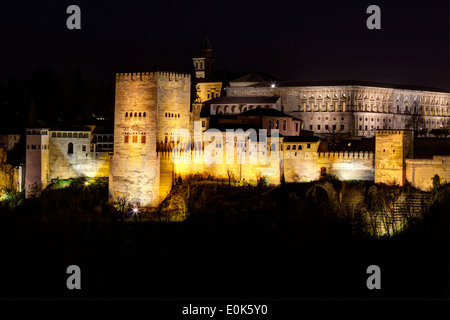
[440, 133]
[332, 132]
[415, 121]
[436, 181]
[229, 174]
[121, 205]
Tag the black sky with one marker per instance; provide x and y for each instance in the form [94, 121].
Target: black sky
[293, 40]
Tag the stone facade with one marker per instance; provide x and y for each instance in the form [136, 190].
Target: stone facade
[148, 108]
[420, 172]
[37, 161]
[356, 110]
[53, 154]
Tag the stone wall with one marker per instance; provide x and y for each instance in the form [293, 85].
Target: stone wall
[392, 147]
[304, 166]
[420, 172]
[80, 163]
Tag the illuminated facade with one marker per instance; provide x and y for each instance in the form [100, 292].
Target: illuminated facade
[63, 153]
[354, 109]
[150, 108]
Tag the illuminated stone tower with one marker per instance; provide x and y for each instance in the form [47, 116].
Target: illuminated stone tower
[205, 64]
[148, 107]
[37, 160]
[392, 147]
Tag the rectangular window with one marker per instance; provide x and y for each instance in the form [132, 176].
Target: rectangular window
[33, 146]
[342, 127]
[143, 139]
[284, 124]
[83, 148]
[365, 128]
[334, 127]
[277, 125]
[308, 145]
[296, 127]
[135, 138]
[360, 127]
[318, 127]
[310, 127]
[326, 127]
[126, 139]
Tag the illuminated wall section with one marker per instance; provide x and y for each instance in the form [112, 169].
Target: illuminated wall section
[392, 147]
[70, 156]
[37, 161]
[148, 107]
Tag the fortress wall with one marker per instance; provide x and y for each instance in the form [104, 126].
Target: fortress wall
[420, 172]
[307, 166]
[194, 162]
[79, 164]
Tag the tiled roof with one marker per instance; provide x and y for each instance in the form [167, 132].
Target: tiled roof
[238, 100]
[266, 112]
[349, 83]
[301, 139]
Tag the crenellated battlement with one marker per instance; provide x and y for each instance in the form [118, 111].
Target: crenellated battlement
[379, 132]
[347, 155]
[166, 75]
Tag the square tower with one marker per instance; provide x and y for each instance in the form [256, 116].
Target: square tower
[37, 161]
[148, 108]
[392, 147]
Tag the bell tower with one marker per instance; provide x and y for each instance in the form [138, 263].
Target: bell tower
[204, 62]
[207, 87]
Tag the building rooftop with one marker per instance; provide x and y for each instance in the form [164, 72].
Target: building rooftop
[283, 84]
[301, 139]
[238, 100]
[266, 112]
[255, 77]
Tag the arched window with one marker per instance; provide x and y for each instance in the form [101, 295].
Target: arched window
[135, 114]
[145, 115]
[140, 114]
[126, 114]
[70, 148]
[299, 147]
[294, 147]
[131, 114]
[178, 115]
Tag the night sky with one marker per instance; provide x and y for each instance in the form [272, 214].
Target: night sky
[293, 40]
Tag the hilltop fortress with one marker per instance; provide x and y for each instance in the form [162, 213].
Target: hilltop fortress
[154, 114]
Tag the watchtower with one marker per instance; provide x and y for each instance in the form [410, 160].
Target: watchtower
[392, 147]
[148, 108]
